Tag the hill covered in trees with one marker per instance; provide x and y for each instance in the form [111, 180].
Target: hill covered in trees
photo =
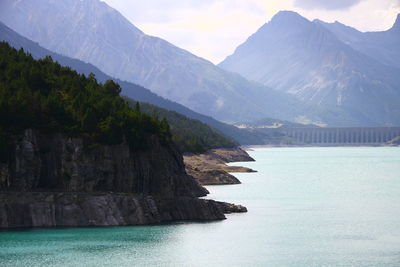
[42, 94]
[134, 91]
[190, 135]
[74, 153]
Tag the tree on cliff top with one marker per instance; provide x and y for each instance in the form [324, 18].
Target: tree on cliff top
[44, 95]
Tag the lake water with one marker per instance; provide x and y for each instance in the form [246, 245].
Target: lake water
[307, 207]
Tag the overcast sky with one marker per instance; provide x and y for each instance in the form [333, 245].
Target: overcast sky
[214, 28]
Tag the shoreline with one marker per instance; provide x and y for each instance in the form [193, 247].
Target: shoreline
[211, 167]
[252, 147]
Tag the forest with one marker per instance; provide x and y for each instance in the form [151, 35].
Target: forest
[42, 94]
[190, 135]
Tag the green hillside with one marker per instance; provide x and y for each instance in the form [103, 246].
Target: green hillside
[41, 94]
[44, 95]
[190, 135]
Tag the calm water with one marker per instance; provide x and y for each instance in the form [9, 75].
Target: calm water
[307, 207]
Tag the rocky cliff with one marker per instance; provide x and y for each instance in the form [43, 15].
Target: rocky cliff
[210, 168]
[53, 180]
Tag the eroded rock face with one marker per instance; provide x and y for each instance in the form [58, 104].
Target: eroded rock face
[52, 180]
[235, 154]
[46, 209]
[54, 162]
[211, 177]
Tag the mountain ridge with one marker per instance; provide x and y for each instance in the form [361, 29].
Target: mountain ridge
[380, 45]
[95, 33]
[304, 58]
[133, 91]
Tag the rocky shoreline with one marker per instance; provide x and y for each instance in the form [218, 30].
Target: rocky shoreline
[52, 180]
[46, 209]
[211, 168]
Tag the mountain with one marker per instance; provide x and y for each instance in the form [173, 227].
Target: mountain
[136, 92]
[305, 59]
[382, 46]
[93, 32]
[73, 153]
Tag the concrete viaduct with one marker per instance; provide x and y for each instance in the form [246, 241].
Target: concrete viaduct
[339, 135]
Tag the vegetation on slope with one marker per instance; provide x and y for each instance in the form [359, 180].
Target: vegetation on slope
[44, 95]
[190, 135]
[139, 93]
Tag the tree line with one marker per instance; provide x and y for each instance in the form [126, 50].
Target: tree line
[190, 135]
[42, 94]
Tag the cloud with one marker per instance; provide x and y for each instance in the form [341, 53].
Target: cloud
[326, 4]
[155, 10]
[209, 28]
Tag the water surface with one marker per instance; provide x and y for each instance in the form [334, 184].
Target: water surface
[307, 207]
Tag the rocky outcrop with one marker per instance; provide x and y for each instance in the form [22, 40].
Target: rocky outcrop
[46, 209]
[235, 154]
[394, 142]
[209, 176]
[211, 169]
[53, 180]
[231, 208]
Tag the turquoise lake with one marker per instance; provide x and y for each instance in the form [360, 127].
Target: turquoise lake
[307, 207]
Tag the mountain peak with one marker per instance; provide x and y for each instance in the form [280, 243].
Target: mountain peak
[288, 20]
[396, 25]
[287, 15]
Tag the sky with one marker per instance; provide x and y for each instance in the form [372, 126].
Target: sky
[212, 29]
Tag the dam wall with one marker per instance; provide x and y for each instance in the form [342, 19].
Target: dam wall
[338, 135]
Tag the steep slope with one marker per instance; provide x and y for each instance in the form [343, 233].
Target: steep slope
[95, 33]
[133, 91]
[73, 153]
[305, 59]
[382, 46]
[191, 136]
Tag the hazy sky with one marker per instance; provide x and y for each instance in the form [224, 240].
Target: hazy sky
[214, 28]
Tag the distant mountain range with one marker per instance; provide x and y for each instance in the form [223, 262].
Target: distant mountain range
[93, 32]
[383, 46]
[326, 65]
[133, 91]
[319, 72]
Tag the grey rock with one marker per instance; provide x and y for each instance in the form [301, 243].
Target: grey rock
[55, 162]
[103, 209]
[52, 180]
[211, 169]
[235, 154]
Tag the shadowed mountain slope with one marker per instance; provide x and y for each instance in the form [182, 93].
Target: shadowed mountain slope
[131, 90]
[93, 32]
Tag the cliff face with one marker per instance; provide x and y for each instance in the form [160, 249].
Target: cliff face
[53, 180]
[46, 209]
[53, 162]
